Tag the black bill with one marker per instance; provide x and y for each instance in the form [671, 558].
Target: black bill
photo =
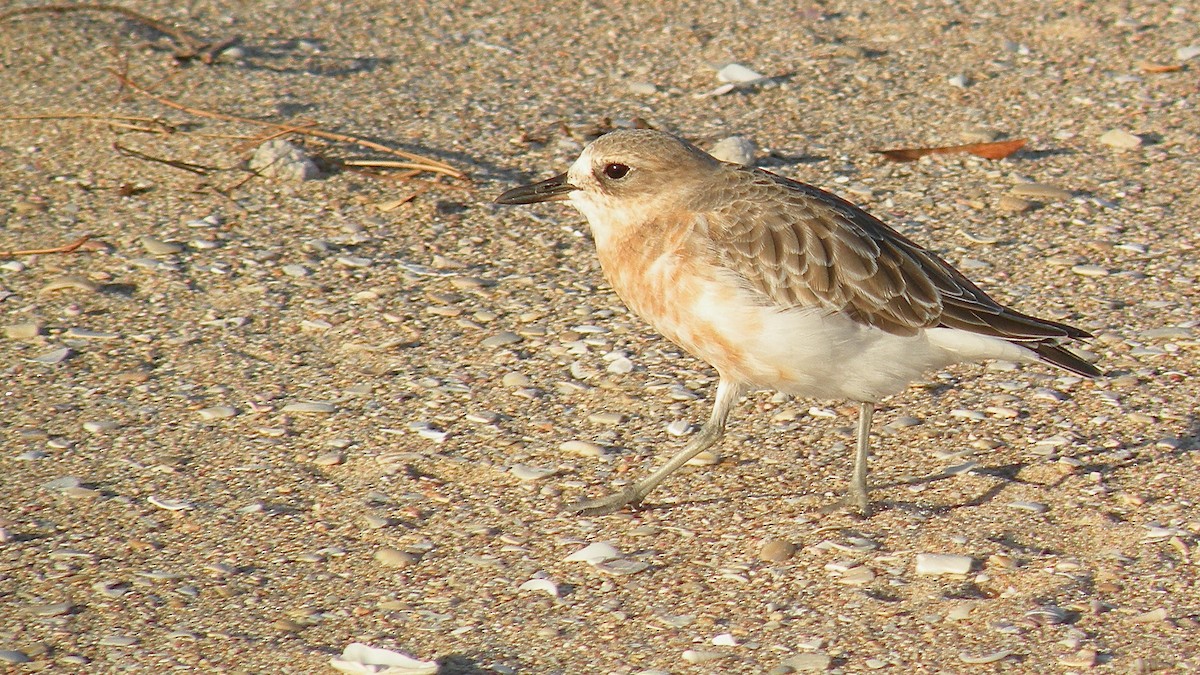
[550, 190]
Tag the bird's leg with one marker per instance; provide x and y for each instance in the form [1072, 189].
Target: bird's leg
[856, 496]
[727, 395]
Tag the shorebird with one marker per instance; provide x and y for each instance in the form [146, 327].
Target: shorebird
[779, 285]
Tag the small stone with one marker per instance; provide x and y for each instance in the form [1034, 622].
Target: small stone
[1084, 658]
[53, 356]
[606, 418]
[1013, 204]
[984, 658]
[70, 281]
[582, 448]
[13, 656]
[329, 459]
[295, 270]
[525, 472]
[516, 380]
[51, 609]
[77, 333]
[117, 641]
[695, 656]
[808, 663]
[541, 585]
[283, 160]
[1121, 140]
[735, 150]
[315, 407]
[961, 81]
[23, 331]
[501, 339]
[705, 458]
[679, 428]
[1187, 53]
[642, 88]
[933, 564]
[288, 625]
[776, 550]
[595, 553]
[391, 557]
[1089, 270]
[1153, 616]
[1032, 507]
[735, 73]
[156, 246]
[857, 576]
[217, 412]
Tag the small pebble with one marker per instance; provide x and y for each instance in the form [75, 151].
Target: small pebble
[1153, 616]
[582, 448]
[501, 339]
[705, 458]
[735, 150]
[51, 609]
[1121, 140]
[932, 564]
[53, 356]
[597, 552]
[525, 472]
[808, 663]
[23, 331]
[777, 550]
[1013, 204]
[283, 160]
[316, 407]
[984, 658]
[329, 459]
[961, 81]
[696, 656]
[117, 641]
[541, 585]
[156, 246]
[70, 281]
[1090, 270]
[217, 412]
[606, 418]
[1187, 53]
[13, 656]
[391, 557]
[736, 73]
[1084, 658]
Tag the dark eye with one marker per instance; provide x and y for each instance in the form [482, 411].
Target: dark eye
[615, 171]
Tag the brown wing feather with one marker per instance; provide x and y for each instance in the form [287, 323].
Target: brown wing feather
[801, 246]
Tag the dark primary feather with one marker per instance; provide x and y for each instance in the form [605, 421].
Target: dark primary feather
[801, 246]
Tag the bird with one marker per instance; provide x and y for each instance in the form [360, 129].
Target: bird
[779, 285]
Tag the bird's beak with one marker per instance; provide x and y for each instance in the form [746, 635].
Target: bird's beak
[554, 189]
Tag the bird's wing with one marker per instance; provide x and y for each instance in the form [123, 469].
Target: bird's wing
[802, 247]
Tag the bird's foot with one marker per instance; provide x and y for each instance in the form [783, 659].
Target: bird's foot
[603, 506]
[853, 503]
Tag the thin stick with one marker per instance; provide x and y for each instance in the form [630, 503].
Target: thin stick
[66, 248]
[191, 47]
[427, 163]
[174, 163]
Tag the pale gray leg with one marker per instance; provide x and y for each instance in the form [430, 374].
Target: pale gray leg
[728, 394]
[856, 496]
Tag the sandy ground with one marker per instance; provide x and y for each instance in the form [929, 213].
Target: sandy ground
[288, 414]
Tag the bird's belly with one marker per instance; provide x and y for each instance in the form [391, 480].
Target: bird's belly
[805, 352]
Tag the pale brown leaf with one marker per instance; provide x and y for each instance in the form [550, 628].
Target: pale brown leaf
[994, 150]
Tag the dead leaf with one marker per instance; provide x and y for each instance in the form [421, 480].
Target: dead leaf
[1150, 67]
[994, 150]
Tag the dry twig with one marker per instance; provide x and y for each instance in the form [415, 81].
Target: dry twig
[189, 46]
[66, 248]
[417, 161]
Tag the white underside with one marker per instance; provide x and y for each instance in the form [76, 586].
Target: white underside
[810, 353]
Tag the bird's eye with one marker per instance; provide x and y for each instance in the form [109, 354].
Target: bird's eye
[616, 171]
